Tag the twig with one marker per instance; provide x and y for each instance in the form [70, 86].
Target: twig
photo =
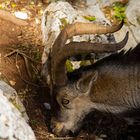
[30, 83]
[26, 65]
[25, 59]
[20, 53]
[8, 16]
[17, 65]
[11, 53]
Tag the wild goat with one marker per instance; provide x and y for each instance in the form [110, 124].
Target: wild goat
[111, 84]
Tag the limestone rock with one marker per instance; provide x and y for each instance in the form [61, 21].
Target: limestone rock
[133, 26]
[12, 125]
[59, 14]
[12, 96]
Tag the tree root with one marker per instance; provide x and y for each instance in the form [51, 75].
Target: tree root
[25, 57]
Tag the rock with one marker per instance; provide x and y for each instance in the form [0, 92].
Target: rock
[133, 16]
[104, 3]
[59, 14]
[12, 96]
[95, 10]
[54, 17]
[133, 25]
[12, 124]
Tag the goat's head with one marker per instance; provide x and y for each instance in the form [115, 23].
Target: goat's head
[70, 97]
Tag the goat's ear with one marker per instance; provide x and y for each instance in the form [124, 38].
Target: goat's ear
[85, 83]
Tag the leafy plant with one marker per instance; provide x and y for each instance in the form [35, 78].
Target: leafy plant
[85, 63]
[69, 66]
[16, 105]
[90, 18]
[119, 11]
[37, 55]
[63, 23]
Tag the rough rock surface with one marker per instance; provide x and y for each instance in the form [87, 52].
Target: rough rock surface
[12, 96]
[133, 17]
[12, 124]
[103, 2]
[58, 14]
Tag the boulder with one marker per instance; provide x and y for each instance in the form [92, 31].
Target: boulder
[133, 25]
[58, 14]
[12, 124]
[11, 94]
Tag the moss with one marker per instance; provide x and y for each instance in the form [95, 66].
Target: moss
[119, 11]
[116, 12]
[85, 63]
[34, 122]
[37, 55]
[16, 104]
[90, 18]
[69, 66]
[63, 23]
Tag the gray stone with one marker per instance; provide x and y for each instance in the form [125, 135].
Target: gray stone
[12, 96]
[133, 26]
[12, 125]
[52, 23]
[133, 15]
[62, 12]
[102, 3]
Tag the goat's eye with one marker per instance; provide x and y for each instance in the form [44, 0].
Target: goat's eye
[65, 101]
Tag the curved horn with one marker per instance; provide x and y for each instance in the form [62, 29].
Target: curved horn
[58, 71]
[79, 28]
[75, 48]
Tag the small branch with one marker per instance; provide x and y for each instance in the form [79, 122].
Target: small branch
[25, 57]
[27, 66]
[11, 53]
[26, 81]
[8, 16]
[17, 65]
[21, 53]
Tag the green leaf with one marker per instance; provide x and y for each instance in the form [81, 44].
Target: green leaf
[119, 10]
[90, 18]
[85, 63]
[69, 66]
[63, 23]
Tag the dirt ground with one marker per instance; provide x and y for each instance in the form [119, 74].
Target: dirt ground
[20, 60]
[20, 64]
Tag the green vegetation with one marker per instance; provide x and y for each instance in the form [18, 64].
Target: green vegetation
[69, 66]
[16, 104]
[63, 23]
[34, 122]
[119, 11]
[85, 63]
[90, 18]
[37, 55]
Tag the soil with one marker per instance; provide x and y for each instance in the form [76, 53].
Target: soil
[20, 65]
[20, 54]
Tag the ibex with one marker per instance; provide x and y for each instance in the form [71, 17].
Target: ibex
[109, 85]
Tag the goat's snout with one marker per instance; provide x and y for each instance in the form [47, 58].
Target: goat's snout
[58, 128]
